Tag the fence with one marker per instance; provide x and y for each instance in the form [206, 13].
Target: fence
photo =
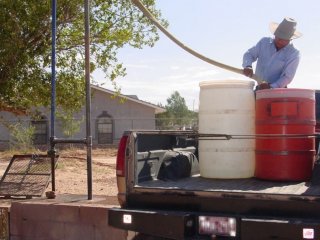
[103, 130]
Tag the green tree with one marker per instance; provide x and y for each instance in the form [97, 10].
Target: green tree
[176, 105]
[25, 47]
[177, 113]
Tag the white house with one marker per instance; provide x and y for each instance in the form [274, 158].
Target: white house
[110, 117]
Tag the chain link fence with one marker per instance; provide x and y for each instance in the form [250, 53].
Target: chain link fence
[27, 133]
[176, 124]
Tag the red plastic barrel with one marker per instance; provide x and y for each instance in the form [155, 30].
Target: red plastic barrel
[285, 125]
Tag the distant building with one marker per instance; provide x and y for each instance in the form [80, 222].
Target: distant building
[110, 117]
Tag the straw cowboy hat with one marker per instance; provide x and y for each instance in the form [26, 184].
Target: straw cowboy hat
[286, 29]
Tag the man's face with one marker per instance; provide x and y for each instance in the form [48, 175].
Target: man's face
[280, 43]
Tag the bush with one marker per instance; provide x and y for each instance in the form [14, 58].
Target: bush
[21, 137]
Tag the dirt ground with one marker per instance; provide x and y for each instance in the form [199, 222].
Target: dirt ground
[71, 171]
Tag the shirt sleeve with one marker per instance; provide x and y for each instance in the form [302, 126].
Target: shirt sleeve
[251, 55]
[288, 72]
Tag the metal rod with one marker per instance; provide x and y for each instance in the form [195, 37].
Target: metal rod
[88, 97]
[53, 92]
[65, 140]
[203, 136]
[53, 139]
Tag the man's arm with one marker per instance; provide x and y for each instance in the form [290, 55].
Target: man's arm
[249, 57]
[288, 72]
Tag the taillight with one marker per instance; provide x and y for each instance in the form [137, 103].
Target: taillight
[121, 156]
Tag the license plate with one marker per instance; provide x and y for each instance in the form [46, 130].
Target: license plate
[219, 226]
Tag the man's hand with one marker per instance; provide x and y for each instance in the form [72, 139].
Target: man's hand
[263, 85]
[247, 71]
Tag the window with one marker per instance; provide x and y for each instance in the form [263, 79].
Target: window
[105, 128]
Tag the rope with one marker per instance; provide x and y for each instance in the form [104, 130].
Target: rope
[149, 15]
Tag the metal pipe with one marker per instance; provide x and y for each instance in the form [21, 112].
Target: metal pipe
[88, 97]
[53, 139]
[53, 92]
[63, 140]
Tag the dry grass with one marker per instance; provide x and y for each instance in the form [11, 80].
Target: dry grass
[4, 224]
[71, 172]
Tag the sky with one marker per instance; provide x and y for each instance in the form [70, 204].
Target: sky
[221, 30]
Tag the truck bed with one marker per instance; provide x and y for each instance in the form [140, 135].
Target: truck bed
[153, 150]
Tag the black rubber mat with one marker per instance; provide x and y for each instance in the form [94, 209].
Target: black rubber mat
[26, 175]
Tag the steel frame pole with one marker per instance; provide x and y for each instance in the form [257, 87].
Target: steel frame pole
[88, 97]
[53, 92]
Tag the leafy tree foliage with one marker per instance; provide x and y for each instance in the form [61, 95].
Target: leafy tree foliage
[177, 114]
[25, 47]
[176, 105]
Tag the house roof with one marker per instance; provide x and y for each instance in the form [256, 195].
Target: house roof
[132, 98]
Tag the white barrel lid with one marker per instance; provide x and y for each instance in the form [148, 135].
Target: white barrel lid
[227, 84]
[285, 93]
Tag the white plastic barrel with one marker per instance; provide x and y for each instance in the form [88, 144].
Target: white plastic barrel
[227, 107]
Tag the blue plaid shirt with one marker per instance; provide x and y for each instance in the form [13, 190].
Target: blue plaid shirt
[276, 67]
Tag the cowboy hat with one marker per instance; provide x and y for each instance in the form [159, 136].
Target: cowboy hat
[286, 29]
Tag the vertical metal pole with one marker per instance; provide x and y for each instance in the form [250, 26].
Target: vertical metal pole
[53, 92]
[88, 97]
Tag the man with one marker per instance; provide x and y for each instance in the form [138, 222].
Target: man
[277, 58]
